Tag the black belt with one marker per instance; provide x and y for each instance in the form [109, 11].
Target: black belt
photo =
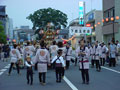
[97, 55]
[42, 62]
[68, 55]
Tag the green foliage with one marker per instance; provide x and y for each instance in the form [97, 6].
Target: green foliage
[2, 34]
[42, 17]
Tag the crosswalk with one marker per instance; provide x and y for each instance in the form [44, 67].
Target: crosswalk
[4, 69]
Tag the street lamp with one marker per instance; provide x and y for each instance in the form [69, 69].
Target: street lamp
[107, 19]
[98, 23]
[112, 19]
[103, 20]
[95, 25]
[117, 17]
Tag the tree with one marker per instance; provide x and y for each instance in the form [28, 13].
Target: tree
[3, 37]
[42, 17]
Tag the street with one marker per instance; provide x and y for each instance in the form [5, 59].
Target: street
[107, 79]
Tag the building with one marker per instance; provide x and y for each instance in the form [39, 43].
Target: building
[93, 18]
[6, 22]
[3, 16]
[64, 33]
[111, 9]
[9, 28]
[90, 34]
[24, 34]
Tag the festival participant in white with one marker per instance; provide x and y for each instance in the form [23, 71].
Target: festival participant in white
[83, 57]
[68, 55]
[97, 50]
[15, 57]
[43, 59]
[59, 63]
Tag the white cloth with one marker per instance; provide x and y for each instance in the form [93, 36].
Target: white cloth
[83, 59]
[15, 55]
[42, 57]
[28, 50]
[60, 60]
[97, 51]
[53, 51]
[103, 51]
[28, 65]
[113, 51]
[68, 54]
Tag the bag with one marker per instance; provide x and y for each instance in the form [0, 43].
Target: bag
[58, 64]
[72, 60]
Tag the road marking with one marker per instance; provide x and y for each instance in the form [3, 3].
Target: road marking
[1, 73]
[111, 69]
[69, 83]
[7, 66]
[3, 70]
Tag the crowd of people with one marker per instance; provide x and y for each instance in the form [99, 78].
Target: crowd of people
[39, 56]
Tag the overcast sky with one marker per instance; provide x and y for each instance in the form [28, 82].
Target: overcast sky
[18, 10]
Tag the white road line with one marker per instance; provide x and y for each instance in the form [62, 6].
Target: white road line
[111, 69]
[1, 73]
[3, 70]
[69, 83]
[7, 66]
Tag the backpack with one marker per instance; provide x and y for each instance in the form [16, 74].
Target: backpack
[58, 64]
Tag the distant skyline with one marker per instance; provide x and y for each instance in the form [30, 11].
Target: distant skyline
[18, 10]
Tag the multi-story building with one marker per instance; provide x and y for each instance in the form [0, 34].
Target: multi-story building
[111, 29]
[6, 22]
[90, 34]
[92, 18]
[23, 34]
[10, 28]
[3, 16]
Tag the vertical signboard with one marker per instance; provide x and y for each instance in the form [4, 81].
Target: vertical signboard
[81, 13]
[29, 37]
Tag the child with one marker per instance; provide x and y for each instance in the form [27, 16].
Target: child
[29, 65]
[59, 64]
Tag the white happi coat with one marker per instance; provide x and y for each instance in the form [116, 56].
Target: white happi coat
[97, 52]
[113, 50]
[63, 51]
[68, 54]
[103, 51]
[118, 49]
[85, 59]
[60, 60]
[28, 50]
[43, 58]
[15, 55]
[53, 51]
[92, 53]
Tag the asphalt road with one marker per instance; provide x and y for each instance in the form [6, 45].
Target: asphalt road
[107, 79]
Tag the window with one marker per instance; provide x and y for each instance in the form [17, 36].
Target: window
[76, 31]
[71, 30]
[88, 31]
[84, 31]
[79, 31]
